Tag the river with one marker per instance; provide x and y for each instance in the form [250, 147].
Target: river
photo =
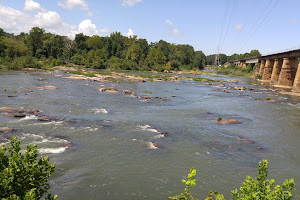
[105, 145]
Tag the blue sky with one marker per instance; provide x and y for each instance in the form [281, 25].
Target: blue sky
[232, 26]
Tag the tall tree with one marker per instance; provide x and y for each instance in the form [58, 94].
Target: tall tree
[34, 40]
[94, 42]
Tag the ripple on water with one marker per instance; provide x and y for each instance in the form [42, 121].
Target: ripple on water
[49, 145]
[99, 110]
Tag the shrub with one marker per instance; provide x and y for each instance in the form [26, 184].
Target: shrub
[269, 98]
[219, 119]
[251, 189]
[22, 176]
[24, 62]
[259, 76]
[262, 188]
[78, 59]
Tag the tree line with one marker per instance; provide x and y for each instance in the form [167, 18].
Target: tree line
[38, 48]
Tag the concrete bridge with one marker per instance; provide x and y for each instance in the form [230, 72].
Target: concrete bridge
[280, 69]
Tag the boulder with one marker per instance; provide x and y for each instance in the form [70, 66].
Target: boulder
[44, 118]
[10, 114]
[41, 79]
[6, 130]
[10, 110]
[47, 87]
[29, 69]
[32, 111]
[270, 101]
[102, 90]
[229, 121]
[145, 97]
[28, 90]
[112, 91]
[127, 92]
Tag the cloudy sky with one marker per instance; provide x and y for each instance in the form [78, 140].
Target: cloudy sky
[232, 26]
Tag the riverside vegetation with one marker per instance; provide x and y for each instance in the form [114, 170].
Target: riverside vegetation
[41, 50]
[25, 177]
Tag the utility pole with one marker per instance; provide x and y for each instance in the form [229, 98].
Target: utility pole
[217, 57]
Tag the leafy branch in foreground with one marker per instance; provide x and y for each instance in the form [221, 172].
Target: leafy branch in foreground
[191, 182]
[262, 188]
[251, 189]
[22, 176]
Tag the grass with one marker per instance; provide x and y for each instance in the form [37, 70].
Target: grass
[205, 79]
[151, 77]
[234, 71]
[147, 92]
[257, 98]
[112, 79]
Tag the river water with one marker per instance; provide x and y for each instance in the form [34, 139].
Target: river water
[104, 144]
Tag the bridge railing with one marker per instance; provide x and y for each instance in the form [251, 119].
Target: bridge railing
[295, 48]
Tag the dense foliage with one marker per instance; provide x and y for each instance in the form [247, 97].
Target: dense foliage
[39, 49]
[113, 52]
[251, 189]
[22, 176]
[233, 70]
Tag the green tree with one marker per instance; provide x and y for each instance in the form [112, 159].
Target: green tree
[134, 53]
[14, 48]
[34, 40]
[94, 42]
[80, 41]
[22, 176]
[199, 60]
[156, 56]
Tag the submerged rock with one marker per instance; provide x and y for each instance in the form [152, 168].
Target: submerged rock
[6, 130]
[44, 118]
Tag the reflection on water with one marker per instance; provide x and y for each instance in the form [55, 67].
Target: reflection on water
[115, 146]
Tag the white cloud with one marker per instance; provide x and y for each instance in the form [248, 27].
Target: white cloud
[87, 28]
[172, 30]
[238, 26]
[130, 3]
[70, 4]
[31, 5]
[47, 19]
[17, 21]
[130, 33]
[169, 22]
[105, 30]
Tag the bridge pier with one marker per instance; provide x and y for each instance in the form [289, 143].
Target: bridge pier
[256, 70]
[262, 67]
[276, 70]
[296, 86]
[288, 72]
[268, 70]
